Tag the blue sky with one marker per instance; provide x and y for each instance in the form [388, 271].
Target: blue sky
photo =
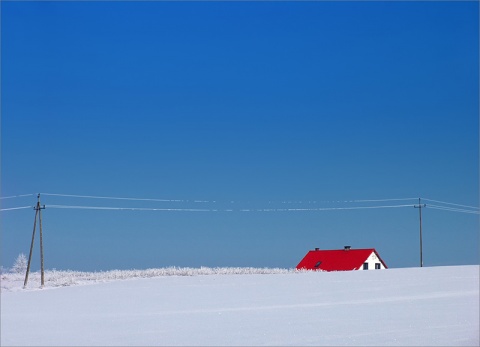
[248, 106]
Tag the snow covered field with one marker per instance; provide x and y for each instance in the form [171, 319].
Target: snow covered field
[415, 306]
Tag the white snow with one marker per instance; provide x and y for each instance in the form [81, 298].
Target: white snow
[415, 306]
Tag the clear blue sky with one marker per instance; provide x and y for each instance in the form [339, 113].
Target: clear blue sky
[250, 105]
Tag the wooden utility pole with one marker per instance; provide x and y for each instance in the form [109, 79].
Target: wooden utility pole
[419, 206]
[38, 208]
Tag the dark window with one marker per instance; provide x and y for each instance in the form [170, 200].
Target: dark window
[318, 264]
[377, 266]
[365, 266]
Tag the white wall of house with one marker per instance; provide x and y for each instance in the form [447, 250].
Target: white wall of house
[372, 260]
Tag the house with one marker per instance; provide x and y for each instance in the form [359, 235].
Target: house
[345, 259]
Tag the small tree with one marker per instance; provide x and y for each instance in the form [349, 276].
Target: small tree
[20, 265]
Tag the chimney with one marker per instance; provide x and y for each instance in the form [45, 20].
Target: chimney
[346, 248]
[316, 248]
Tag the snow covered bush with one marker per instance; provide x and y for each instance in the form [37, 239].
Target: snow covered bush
[13, 280]
[20, 265]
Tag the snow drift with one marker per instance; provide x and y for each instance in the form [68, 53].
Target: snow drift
[417, 306]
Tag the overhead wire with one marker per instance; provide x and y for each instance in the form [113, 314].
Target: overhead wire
[12, 197]
[323, 208]
[126, 208]
[114, 198]
[450, 203]
[451, 209]
[317, 202]
[379, 200]
[15, 208]
[15, 196]
[223, 210]
[214, 201]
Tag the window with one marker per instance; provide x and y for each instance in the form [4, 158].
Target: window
[377, 266]
[318, 264]
[365, 266]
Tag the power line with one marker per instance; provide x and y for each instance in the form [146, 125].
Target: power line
[116, 198]
[451, 209]
[322, 208]
[15, 208]
[380, 200]
[452, 206]
[223, 210]
[16, 196]
[450, 203]
[214, 201]
[341, 201]
[127, 208]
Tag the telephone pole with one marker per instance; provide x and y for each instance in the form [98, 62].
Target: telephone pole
[420, 206]
[38, 212]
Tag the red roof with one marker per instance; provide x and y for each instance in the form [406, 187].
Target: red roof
[336, 260]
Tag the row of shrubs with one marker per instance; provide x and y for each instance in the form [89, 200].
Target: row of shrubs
[55, 278]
